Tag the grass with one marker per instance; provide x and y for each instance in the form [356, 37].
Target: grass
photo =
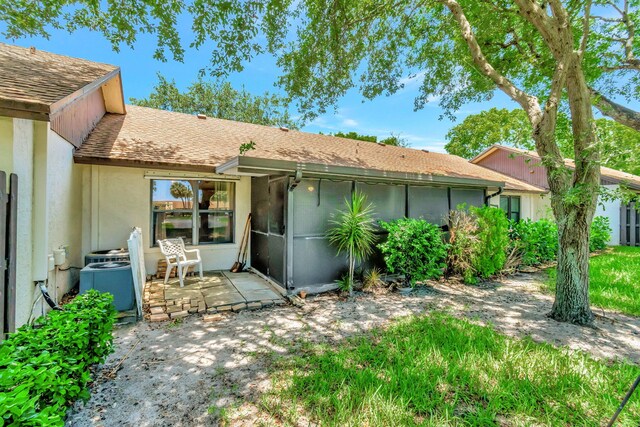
[614, 280]
[440, 370]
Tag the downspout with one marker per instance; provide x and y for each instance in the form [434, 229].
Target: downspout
[491, 196]
[296, 180]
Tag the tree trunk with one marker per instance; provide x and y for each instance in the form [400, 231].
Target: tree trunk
[574, 200]
[572, 284]
[352, 268]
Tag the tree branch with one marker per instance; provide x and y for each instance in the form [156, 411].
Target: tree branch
[586, 26]
[617, 112]
[527, 102]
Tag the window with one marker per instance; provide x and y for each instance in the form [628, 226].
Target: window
[511, 206]
[201, 212]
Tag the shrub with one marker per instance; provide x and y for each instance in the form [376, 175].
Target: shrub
[600, 233]
[45, 367]
[414, 248]
[493, 239]
[462, 245]
[534, 241]
[478, 242]
[372, 279]
[353, 233]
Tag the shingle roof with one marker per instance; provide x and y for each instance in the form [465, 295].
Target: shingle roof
[34, 80]
[150, 137]
[612, 174]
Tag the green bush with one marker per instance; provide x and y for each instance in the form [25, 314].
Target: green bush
[534, 242]
[493, 239]
[600, 233]
[478, 242]
[45, 367]
[414, 248]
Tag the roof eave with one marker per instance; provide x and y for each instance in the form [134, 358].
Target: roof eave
[42, 111]
[245, 164]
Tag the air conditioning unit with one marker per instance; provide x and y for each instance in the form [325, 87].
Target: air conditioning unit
[114, 277]
[106, 256]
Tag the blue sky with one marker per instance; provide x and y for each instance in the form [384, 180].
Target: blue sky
[385, 115]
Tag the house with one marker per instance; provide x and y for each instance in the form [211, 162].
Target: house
[90, 168]
[526, 166]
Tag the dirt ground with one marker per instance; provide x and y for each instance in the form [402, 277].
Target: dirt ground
[179, 374]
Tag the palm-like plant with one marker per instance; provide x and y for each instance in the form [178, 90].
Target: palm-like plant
[353, 231]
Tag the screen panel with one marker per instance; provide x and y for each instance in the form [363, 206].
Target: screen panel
[388, 200]
[315, 203]
[429, 203]
[472, 197]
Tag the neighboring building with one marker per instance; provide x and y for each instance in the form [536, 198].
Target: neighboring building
[526, 166]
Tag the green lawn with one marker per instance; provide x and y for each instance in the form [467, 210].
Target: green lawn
[614, 280]
[438, 370]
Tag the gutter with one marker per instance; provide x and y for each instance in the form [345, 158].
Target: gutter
[244, 164]
[491, 196]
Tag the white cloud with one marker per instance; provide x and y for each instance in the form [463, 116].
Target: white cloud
[349, 122]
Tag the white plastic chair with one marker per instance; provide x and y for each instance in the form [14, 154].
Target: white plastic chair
[176, 255]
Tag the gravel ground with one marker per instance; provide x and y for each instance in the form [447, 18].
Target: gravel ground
[179, 374]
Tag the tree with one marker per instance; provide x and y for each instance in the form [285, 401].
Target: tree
[478, 132]
[395, 140]
[543, 54]
[619, 145]
[219, 100]
[357, 136]
[353, 232]
[181, 191]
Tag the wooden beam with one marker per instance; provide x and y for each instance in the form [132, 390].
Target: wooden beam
[114, 96]
[24, 114]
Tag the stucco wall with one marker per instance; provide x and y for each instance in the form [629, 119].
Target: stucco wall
[121, 199]
[611, 209]
[64, 213]
[6, 144]
[19, 149]
[532, 206]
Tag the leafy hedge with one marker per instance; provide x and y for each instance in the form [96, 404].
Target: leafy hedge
[600, 233]
[414, 248]
[45, 367]
[535, 242]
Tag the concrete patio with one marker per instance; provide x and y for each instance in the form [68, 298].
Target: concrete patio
[217, 292]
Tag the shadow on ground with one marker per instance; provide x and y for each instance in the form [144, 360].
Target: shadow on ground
[179, 374]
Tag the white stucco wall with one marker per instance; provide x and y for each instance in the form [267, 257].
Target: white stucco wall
[16, 156]
[121, 199]
[64, 212]
[49, 209]
[611, 209]
[532, 206]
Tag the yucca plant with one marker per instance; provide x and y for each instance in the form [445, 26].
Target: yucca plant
[352, 231]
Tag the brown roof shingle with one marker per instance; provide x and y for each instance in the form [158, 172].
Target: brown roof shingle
[150, 137]
[34, 80]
